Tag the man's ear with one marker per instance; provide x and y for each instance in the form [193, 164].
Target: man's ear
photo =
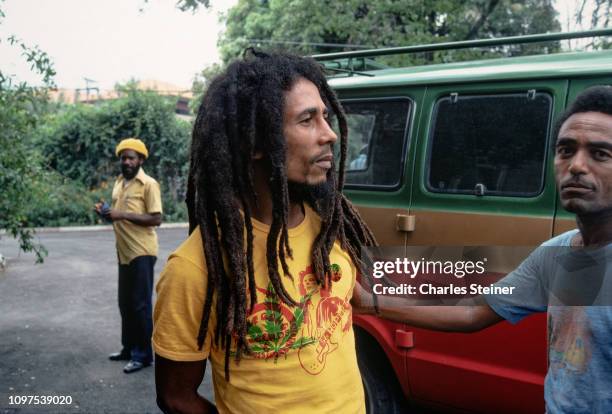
[257, 155]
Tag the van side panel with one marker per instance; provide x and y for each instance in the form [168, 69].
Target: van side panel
[482, 371]
[502, 368]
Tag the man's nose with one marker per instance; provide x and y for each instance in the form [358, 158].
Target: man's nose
[328, 136]
[579, 163]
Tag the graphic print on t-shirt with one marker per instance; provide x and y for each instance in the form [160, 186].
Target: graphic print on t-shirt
[314, 328]
[570, 339]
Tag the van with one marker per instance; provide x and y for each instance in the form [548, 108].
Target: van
[458, 154]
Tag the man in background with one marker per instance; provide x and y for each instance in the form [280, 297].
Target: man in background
[135, 211]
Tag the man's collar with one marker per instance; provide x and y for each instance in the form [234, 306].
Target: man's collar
[140, 176]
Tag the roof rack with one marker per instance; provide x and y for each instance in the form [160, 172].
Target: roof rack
[545, 37]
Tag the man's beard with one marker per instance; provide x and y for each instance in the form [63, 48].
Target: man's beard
[310, 193]
[129, 173]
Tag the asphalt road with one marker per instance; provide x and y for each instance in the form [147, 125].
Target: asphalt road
[60, 320]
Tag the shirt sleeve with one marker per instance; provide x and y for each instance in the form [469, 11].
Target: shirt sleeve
[181, 290]
[529, 292]
[153, 203]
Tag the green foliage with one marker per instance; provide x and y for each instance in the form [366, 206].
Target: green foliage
[21, 108]
[599, 16]
[303, 26]
[190, 5]
[594, 14]
[62, 202]
[79, 143]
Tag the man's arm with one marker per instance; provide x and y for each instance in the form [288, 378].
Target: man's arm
[458, 318]
[146, 219]
[177, 385]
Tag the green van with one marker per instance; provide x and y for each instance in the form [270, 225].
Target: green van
[458, 154]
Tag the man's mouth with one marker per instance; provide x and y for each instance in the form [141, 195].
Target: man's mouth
[127, 170]
[575, 188]
[325, 161]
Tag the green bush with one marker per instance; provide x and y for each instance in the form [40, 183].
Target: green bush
[19, 162]
[79, 142]
[62, 202]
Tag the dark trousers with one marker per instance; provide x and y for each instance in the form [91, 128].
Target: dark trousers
[135, 291]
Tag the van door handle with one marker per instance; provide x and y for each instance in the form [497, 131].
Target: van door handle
[405, 222]
[404, 339]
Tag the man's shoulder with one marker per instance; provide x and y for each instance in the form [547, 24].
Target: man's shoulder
[191, 251]
[563, 239]
[145, 178]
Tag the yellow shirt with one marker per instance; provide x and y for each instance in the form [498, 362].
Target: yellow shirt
[303, 358]
[141, 195]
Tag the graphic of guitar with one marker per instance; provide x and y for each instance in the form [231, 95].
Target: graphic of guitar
[325, 346]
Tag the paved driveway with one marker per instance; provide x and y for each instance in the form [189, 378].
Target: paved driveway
[59, 320]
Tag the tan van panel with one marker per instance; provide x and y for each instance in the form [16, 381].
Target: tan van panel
[383, 222]
[475, 229]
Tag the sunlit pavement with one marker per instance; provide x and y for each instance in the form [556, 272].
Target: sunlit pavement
[60, 320]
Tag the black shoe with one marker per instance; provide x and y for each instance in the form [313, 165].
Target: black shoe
[134, 366]
[119, 356]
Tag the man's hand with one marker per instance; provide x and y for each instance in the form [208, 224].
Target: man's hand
[102, 209]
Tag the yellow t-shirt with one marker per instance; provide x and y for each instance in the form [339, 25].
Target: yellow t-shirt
[303, 358]
[140, 196]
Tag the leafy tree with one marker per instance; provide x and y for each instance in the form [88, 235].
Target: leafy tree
[310, 26]
[31, 195]
[79, 143]
[599, 15]
[21, 108]
[60, 201]
[593, 14]
[190, 5]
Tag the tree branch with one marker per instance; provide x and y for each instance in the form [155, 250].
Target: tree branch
[481, 21]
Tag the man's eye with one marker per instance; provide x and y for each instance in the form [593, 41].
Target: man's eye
[305, 121]
[601, 155]
[563, 151]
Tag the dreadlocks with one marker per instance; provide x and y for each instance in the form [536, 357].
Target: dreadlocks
[240, 114]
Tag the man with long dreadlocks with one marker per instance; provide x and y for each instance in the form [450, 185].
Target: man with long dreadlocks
[262, 287]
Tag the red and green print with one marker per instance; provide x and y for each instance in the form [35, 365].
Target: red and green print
[273, 327]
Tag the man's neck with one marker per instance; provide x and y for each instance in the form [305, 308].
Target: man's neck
[263, 212]
[595, 229]
[127, 181]
[262, 209]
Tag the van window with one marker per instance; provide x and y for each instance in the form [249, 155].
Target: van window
[489, 145]
[376, 145]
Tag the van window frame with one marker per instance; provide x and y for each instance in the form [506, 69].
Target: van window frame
[551, 100]
[408, 127]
